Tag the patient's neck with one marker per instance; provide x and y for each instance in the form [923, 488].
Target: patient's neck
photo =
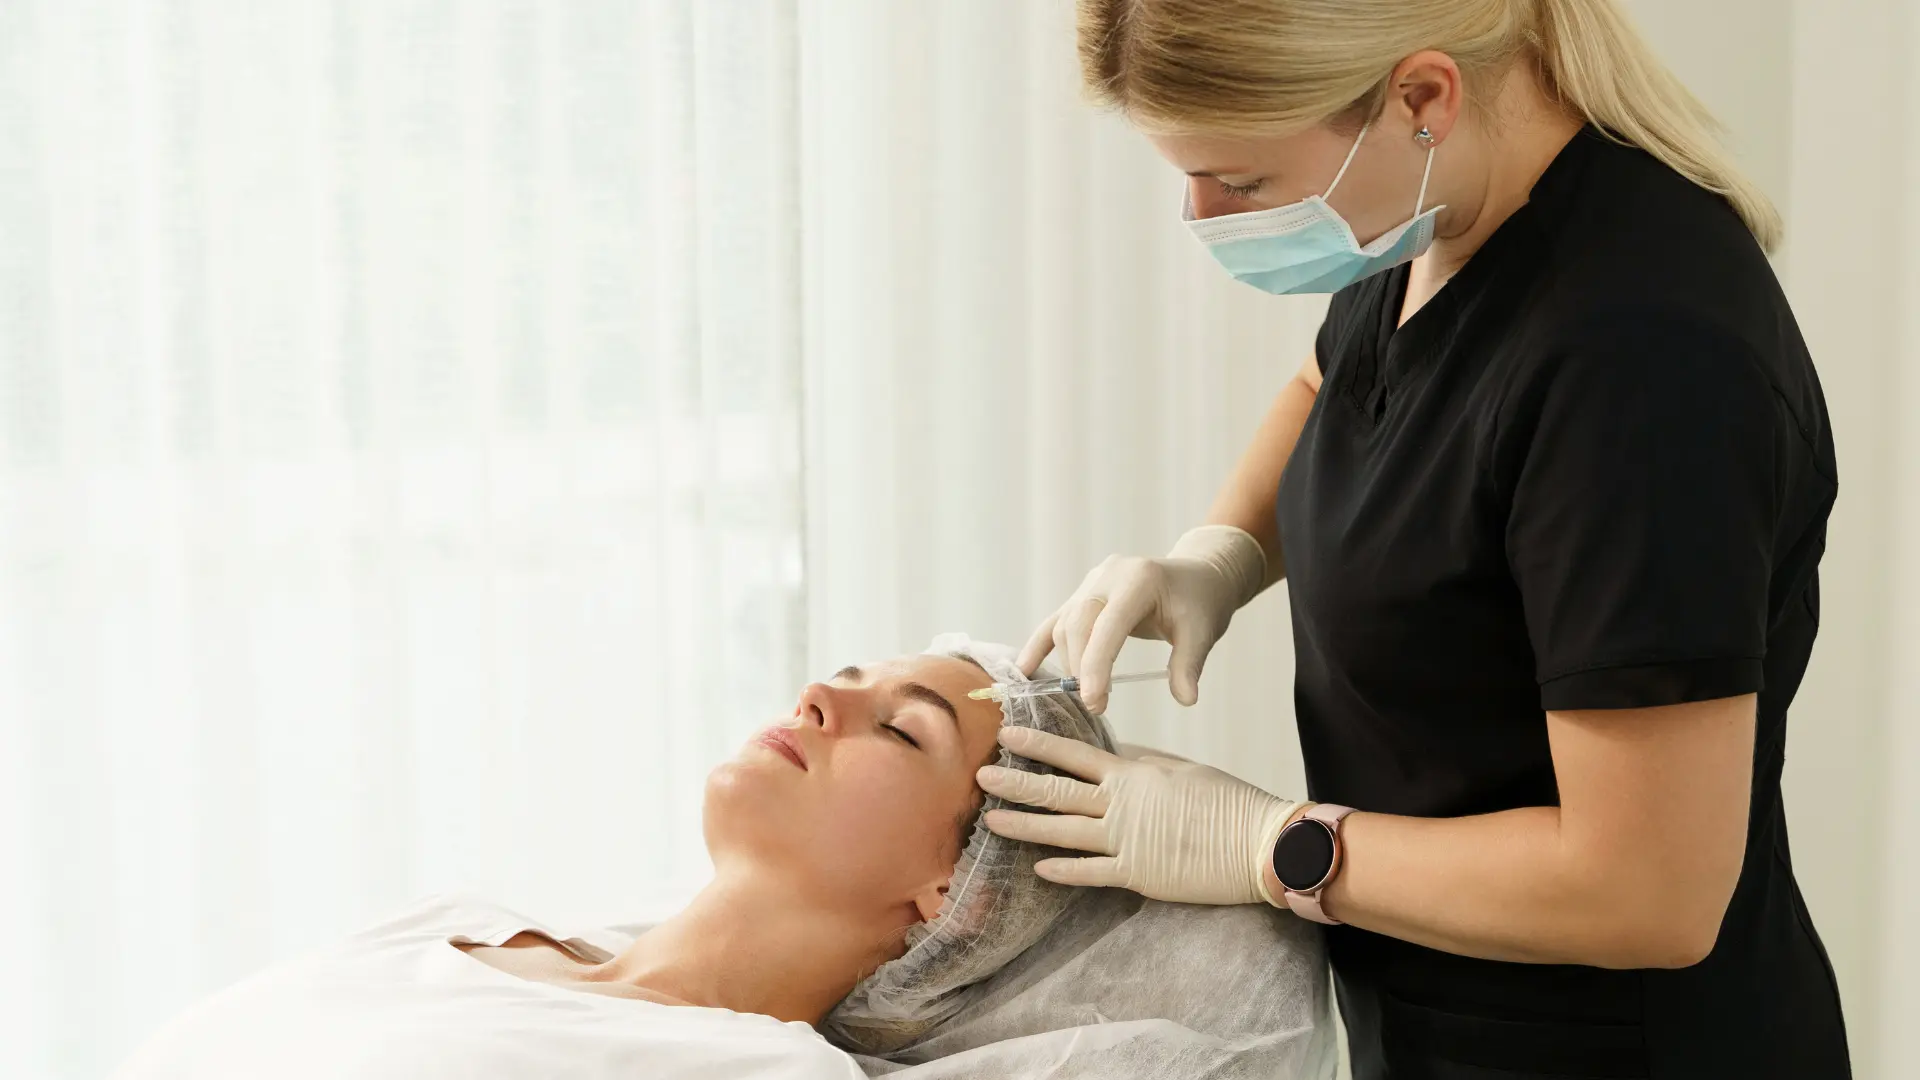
[741, 946]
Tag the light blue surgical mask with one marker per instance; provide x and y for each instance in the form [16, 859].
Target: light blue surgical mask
[1307, 247]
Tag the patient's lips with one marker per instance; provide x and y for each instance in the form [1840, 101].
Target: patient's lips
[784, 742]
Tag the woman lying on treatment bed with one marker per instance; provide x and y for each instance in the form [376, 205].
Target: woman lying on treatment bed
[831, 834]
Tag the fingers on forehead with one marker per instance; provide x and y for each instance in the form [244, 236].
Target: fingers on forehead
[1070, 755]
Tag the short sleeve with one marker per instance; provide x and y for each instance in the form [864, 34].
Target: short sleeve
[1641, 529]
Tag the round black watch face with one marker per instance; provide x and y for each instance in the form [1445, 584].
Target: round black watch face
[1304, 855]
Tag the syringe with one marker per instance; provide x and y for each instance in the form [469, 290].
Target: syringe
[1070, 685]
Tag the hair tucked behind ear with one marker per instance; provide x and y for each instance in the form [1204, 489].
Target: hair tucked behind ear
[1267, 66]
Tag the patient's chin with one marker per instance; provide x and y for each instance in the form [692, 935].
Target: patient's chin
[738, 790]
[755, 773]
[748, 811]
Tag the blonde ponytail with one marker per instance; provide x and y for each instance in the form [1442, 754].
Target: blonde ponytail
[1265, 66]
[1594, 60]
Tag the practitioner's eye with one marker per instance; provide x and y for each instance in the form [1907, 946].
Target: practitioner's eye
[903, 734]
[1240, 191]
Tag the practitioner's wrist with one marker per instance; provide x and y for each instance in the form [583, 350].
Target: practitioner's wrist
[1232, 552]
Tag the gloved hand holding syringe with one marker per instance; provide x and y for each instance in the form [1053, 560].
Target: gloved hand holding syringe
[1185, 599]
[1070, 685]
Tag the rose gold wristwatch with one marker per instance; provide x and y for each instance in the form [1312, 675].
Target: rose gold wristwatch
[1307, 856]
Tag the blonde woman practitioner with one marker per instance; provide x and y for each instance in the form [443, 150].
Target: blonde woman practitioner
[1550, 497]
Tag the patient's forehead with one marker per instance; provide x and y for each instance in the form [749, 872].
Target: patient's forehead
[931, 670]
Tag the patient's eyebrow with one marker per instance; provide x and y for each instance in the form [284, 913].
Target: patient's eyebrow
[923, 692]
[851, 673]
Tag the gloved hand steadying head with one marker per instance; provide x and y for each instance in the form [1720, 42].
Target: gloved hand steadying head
[1165, 827]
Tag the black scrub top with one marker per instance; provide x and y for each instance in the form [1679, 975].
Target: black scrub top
[1593, 472]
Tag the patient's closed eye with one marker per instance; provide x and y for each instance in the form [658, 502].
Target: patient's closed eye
[904, 735]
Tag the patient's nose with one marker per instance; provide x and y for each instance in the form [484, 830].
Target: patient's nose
[826, 707]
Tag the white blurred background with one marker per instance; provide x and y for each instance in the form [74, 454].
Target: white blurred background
[433, 432]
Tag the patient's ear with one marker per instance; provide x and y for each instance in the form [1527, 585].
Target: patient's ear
[929, 899]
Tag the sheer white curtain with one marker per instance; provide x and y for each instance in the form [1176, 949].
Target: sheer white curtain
[399, 491]
[402, 416]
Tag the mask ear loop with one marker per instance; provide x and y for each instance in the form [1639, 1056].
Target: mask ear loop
[1352, 150]
[1420, 200]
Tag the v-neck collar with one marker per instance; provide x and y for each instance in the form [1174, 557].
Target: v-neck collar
[1392, 350]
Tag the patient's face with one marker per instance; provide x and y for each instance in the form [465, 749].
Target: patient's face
[872, 819]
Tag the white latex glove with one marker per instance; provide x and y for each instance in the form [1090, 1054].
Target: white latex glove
[1186, 598]
[1164, 827]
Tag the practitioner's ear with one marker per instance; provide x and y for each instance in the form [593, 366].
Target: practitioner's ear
[929, 899]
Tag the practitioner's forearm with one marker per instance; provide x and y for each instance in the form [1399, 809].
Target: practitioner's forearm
[1246, 500]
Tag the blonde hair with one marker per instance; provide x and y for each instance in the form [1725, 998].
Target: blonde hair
[1265, 66]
